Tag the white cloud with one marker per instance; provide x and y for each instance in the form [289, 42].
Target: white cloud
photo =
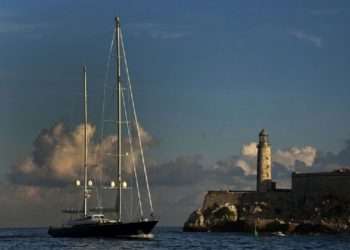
[325, 12]
[248, 168]
[311, 38]
[166, 34]
[157, 31]
[57, 156]
[12, 27]
[10, 23]
[288, 157]
[249, 150]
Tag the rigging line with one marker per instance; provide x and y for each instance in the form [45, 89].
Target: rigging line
[119, 116]
[132, 158]
[86, 193]
[137, 125]
[99, 199]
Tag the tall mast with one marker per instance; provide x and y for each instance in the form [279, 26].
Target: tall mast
[85, 142]
[119, 122]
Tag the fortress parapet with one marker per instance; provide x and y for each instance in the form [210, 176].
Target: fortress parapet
[319, 185]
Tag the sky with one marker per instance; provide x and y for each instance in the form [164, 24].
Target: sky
[207, 77]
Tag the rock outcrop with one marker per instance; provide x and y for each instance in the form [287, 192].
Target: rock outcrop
[248, 215]
[196, 222]
[213, 218]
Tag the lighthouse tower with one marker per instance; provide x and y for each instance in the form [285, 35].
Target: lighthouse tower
[264, 182]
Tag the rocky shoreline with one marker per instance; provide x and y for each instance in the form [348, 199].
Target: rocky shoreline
[226, 218]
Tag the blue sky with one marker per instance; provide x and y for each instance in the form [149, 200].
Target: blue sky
[207, 75]
[225, 70]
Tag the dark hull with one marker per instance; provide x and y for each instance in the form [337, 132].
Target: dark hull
[110, 230]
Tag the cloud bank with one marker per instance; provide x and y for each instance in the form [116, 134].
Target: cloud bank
[178, 185]
[57, 157]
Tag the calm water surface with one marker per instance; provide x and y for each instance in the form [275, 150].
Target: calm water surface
[170, 238]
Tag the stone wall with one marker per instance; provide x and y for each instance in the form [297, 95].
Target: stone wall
[313, 195]
[222, 197]
[317, 202]
[321, 185]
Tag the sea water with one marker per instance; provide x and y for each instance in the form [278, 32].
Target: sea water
[171, 238]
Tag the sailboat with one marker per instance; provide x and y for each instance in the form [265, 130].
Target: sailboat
[93, 222]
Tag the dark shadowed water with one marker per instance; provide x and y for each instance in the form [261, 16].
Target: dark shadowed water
[170, 238]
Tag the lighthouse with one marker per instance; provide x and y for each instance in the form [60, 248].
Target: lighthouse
[264, 181]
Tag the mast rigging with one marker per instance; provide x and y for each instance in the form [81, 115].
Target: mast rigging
[86, 191]
[119, 121]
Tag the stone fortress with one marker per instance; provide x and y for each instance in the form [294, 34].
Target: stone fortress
[316, 202]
